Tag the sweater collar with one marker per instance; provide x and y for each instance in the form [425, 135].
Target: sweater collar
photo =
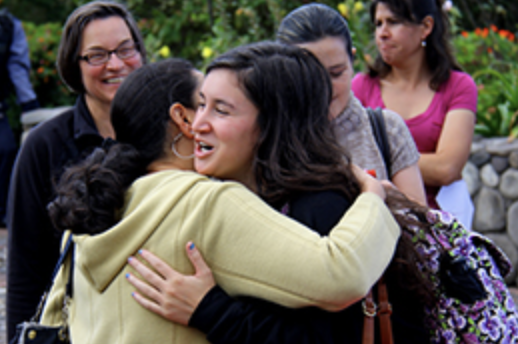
[354, 117]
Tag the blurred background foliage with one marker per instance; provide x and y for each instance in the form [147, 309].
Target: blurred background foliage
[198, 30]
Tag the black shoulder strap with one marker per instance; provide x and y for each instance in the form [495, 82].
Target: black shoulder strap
[62, 257]
[68, 249]
[380, 134]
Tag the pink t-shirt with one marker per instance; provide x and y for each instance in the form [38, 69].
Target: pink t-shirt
[459, 92]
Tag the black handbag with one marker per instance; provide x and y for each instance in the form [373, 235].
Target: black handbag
[32, 332]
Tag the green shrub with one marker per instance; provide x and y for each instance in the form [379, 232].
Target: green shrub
[43, 42]
[199, 30]
[488, 54]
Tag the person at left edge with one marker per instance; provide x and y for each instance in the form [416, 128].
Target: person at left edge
[100, 46]
[15, 69]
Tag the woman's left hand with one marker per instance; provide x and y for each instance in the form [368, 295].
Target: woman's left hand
[167, 292]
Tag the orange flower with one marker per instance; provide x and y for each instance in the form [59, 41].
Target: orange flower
[41, 40]
[39, 70]
[511, 37]
[490, 50]
[464, 34]
[478, 32]
[493, 27]
[503, 33]
[485, 32]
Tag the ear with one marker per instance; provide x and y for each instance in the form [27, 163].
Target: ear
[354, 51]
[182, 117]
[428, 24]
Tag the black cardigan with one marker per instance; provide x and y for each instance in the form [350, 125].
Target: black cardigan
[248, 320]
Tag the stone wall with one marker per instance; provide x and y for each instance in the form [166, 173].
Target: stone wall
[492, 177]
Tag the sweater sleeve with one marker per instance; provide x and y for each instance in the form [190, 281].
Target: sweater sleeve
[257, 252]
[403, 150]
[33, 242]
[227, 320]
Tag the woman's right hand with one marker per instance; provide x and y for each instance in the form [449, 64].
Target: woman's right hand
[167, 292]
[368, 183]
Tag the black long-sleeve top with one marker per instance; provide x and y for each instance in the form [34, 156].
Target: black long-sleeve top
[34, 244]
[249, 320]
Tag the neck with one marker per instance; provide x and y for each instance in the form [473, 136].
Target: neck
[413, 73]
[249, 181]
[167, 164]
[101, 115]
[169, 161]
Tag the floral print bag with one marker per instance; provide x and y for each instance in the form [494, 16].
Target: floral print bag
[474, 304]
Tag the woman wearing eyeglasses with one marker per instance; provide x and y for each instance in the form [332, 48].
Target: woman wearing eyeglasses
[100, 46]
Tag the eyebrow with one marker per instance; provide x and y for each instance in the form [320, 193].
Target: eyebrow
[340, 65]
[222, 102]
[218, 101]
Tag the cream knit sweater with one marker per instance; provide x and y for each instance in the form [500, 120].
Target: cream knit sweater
[252, 249]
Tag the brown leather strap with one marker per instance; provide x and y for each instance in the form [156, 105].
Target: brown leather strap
[384, 312]
[369, 312]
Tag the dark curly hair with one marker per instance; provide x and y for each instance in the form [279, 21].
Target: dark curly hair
[438, 51]
[89, 193]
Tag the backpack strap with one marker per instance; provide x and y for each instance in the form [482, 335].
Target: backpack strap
[380, 135]
[383, 310]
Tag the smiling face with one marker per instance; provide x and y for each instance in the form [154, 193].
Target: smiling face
[331, 52]
[225, 129]
[397, 40]
[101, 82]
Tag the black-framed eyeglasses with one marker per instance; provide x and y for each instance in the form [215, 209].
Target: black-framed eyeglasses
[99, 57]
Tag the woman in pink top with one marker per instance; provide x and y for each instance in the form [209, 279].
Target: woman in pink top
[416, 75]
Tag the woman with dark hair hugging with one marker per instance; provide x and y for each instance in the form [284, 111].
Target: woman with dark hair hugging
[247, 102]
[140, 194]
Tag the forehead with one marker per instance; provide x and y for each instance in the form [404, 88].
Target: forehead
[383, 10]
[106, 33]
[330, 51]
[221, 82]
[222, 85]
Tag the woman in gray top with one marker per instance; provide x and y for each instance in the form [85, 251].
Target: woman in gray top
[323, 31]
